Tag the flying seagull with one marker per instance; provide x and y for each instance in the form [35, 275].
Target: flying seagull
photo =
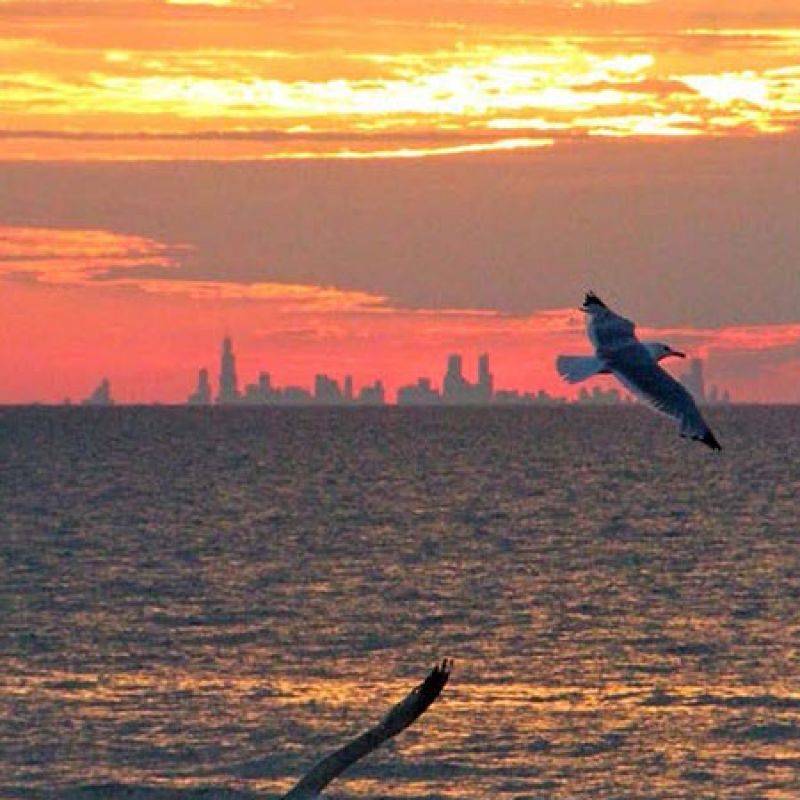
[574, 369]
[635, 365]
[405, 713]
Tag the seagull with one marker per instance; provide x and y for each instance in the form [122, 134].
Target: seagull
[574, 369]
[635, 365]
[405, 713]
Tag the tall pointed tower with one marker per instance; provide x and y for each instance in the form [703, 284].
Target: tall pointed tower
[228, 383]
[484, 391]
[694, 380]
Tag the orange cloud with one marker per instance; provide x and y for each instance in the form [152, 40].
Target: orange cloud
[89, 257]
[195, 66]
[76, 257]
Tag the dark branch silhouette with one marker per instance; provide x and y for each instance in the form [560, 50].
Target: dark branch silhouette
[405, 713]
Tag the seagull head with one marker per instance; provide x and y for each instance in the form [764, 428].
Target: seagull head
[659, 350]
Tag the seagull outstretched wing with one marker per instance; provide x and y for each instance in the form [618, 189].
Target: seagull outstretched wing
[606, 329]
[415, 704]
[635, 364]
[635, 369]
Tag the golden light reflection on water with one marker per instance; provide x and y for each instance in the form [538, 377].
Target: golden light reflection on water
[534, 736]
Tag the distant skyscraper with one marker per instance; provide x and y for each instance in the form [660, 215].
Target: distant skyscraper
[599, 396]
[374, 395]
[228, 383]
[326, 390]
[484, 391]
[694, 380]
[419, 394]
[716, 395]
[101, 396]
[259, 394]
[455, 388]
[296, 396]
[202, 394]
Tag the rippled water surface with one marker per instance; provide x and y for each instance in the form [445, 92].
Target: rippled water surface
[201, 602]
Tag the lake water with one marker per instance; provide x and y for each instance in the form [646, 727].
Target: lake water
[199, 603]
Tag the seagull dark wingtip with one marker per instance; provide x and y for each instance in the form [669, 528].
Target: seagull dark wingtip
[710, 440]
[592, 299]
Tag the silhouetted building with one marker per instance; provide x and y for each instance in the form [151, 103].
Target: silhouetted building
[509, 397]
[228, 382]
[373, 395]
[484, 391]
[101, 396]
[543, 398]
[455, 388]
[599, 396]
[718, 396]
[516, 398]
[420, 394]
[295, 396]
[326, 390]
[694, 380]
[348, 388]
[202, 394]
[259, 393]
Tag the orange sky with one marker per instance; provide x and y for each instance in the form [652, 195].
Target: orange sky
[380, 273]
[272, 79]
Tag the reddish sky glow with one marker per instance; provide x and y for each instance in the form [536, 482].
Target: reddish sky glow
[364, 187]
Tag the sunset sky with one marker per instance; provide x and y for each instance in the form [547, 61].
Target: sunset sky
[363, 186]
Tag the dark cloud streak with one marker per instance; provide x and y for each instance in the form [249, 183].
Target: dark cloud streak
[694, 233]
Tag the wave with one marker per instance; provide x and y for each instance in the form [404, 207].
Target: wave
[122, 791]
[768, 732]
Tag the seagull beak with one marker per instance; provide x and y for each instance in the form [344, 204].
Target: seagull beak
[677, 353]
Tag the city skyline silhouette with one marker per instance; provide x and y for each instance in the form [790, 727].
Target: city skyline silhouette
[456, 388]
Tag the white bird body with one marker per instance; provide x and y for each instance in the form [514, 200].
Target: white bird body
[407, 711]
[574, 369]
[635, 365]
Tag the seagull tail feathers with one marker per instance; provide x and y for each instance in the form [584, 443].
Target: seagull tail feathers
[574, 369]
